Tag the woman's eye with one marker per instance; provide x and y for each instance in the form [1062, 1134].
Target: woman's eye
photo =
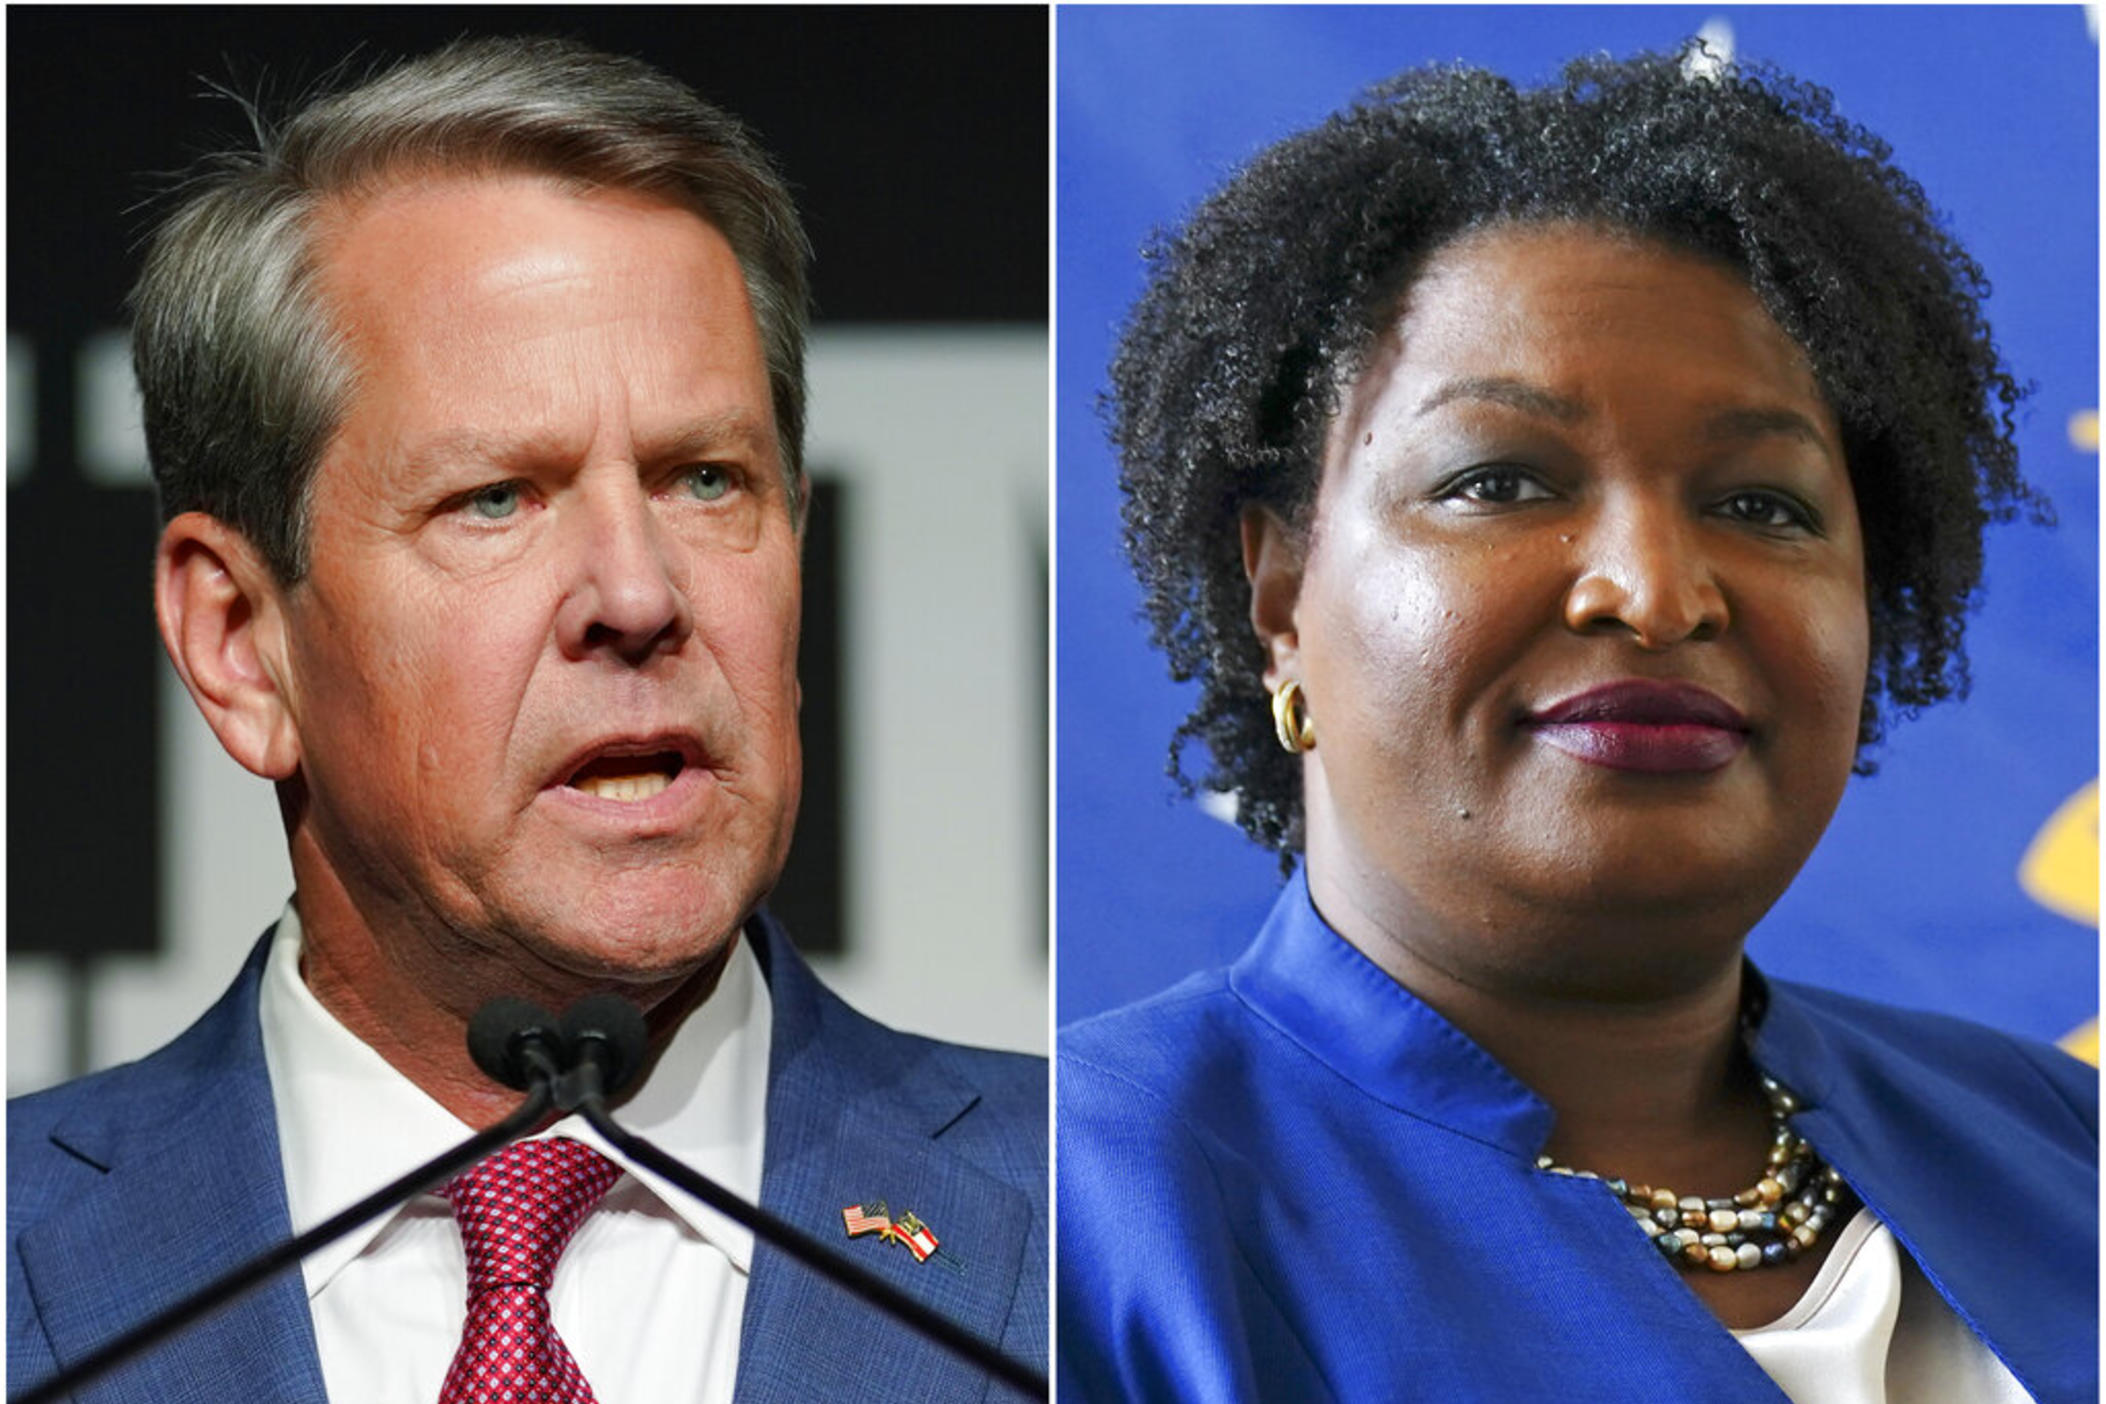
[707, 482]
[495, 502]
[1496, 486]
[1767, 509]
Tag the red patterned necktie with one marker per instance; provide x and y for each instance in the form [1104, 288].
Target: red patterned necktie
[517, 1211]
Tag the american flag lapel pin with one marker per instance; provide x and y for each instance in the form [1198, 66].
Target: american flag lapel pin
[873, 1217]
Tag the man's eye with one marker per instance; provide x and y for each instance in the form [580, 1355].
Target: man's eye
[495, 502]
[1768, 509]
[1497, 485]
[707, 481]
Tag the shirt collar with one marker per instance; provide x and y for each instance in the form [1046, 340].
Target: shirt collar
[1316, 987]
[350, 1122]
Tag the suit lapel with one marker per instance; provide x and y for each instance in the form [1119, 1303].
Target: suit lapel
[186, 1185]
[853, 1117]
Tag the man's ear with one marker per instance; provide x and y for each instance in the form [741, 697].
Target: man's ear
[222, 619]
[1272, 561]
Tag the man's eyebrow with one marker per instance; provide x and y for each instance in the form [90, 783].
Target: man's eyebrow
[479, 446]
[1503, 390]
[708, 433]
[711, 433]
[1733, 424]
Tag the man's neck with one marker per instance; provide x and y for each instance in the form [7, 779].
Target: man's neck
[409, 996]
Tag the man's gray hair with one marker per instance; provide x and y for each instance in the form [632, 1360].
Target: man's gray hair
[243, 373]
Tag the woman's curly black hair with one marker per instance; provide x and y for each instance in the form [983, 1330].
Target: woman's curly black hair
[1259, 311]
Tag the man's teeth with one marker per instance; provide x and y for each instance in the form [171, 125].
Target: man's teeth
[628, 788]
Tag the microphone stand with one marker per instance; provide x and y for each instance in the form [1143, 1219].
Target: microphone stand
[151, 1332]
[580, 1089]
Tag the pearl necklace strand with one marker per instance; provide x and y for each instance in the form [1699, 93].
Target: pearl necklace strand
[1776, 1219]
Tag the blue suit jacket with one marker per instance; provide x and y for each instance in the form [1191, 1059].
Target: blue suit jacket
[131, 1188]
[1292, 1180]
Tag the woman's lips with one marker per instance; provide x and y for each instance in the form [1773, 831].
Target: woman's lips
[1654, 727]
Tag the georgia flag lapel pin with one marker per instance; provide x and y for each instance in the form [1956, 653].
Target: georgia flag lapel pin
[913, 1235]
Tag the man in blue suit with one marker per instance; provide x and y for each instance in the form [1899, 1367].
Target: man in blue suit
[475, 400]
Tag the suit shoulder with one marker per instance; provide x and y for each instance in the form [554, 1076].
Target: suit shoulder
[892, 1055]
[1136, 1084]
[1168, 1047]
[1008, 1082]
[998, 1101]
[122, 1090]
[41, 1168]
[38, 1169]
[1005, 1127]
[2015, 1070]
[65, 1135]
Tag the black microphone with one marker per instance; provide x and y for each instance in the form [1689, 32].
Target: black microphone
[515, 1043]
[605, 1038]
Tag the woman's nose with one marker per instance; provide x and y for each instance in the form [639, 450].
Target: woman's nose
[1642, 569]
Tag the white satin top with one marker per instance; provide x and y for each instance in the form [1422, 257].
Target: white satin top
[1872, 1330]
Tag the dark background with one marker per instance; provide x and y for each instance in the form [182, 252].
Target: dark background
[913, 138]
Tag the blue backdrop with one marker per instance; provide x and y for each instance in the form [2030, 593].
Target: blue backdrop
[1923, 892]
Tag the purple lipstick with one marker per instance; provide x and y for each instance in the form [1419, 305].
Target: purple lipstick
[1660, 728]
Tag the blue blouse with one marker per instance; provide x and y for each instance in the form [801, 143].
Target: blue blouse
[1293, 1180]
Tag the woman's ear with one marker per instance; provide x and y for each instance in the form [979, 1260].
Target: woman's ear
[221, 612]
[1272, 561]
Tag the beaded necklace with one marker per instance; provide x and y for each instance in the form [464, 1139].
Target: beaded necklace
[1773, 1221]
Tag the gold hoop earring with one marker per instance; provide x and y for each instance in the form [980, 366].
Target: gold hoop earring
[1291, 721]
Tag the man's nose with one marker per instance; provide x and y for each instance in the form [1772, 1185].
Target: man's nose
[628, 589]
[1642, 569]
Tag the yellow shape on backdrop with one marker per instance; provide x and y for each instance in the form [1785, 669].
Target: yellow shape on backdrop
[2084, 431]
[2061, 872]
[2061, 868]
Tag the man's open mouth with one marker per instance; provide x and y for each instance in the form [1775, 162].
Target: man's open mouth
[628, 778]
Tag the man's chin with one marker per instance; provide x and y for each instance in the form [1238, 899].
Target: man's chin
[630, 938]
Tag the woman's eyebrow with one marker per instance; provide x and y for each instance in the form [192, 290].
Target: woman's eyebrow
[1503, 390]
[1725, 425]
[1732, 424]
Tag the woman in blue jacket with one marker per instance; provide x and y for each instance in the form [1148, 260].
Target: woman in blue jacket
[1552, 492]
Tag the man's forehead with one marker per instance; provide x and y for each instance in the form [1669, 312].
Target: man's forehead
[414, 181]
[482, 308]
[442, 242]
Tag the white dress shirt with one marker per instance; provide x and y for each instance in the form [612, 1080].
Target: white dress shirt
[1872, 1330]
[648, 1296]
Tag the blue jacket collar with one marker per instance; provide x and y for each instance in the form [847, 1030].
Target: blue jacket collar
[1318, 989]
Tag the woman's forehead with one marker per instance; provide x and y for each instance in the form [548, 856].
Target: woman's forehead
[1548, 317]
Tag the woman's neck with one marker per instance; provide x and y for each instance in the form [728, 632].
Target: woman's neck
[1646, 1075]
